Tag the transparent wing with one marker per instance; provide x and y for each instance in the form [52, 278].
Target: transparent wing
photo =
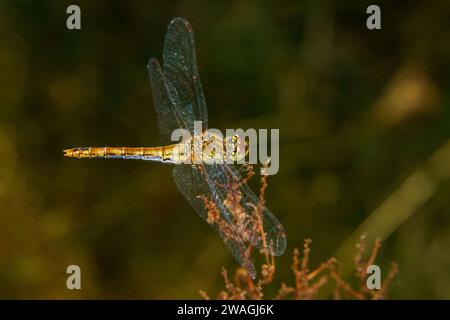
[228, 181]
[239, 214]
[180, 70]
[194, 186]
[170, 117]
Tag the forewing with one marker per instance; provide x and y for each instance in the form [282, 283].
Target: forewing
[227, 180]
[180, 69]
[193, 185]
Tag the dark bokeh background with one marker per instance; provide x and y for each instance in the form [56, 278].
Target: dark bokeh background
[364, 119]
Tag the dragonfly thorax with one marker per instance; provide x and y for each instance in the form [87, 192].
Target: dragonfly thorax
[211, 147]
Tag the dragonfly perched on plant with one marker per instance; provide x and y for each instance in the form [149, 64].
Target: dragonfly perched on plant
[217, 191]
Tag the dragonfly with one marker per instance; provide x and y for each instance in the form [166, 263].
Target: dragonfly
[217, 191]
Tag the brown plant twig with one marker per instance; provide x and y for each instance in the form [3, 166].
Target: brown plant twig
[306, 284]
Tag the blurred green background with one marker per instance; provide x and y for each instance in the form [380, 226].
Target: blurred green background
[364, 122]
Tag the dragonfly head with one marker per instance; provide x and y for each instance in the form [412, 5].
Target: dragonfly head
[237, 148]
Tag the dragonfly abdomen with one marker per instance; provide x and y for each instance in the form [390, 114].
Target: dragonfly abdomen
[160, 154]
